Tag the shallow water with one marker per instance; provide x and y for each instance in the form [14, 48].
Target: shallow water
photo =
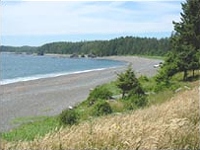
[16, 68]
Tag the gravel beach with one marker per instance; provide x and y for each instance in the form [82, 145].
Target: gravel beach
[47, 97]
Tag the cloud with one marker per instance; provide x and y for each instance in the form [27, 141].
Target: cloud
[61, 17]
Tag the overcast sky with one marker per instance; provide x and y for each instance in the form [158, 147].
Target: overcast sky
[37, 22]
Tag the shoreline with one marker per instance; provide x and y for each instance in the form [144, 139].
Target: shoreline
[56, 74]
[49, 96]
[48, 76]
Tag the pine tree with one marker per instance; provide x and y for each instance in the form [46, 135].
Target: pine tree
[186, 40]
[187, 37]
[128, 83]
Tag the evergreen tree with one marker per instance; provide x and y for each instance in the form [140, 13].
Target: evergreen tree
[129, 84]
[186, 40]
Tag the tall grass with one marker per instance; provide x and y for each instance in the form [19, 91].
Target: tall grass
[173, 124]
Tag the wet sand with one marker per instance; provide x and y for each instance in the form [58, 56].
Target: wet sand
[47, 97]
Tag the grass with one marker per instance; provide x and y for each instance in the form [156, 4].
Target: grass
[23, 120]
[159, 98]
[117, 106]
[39, 126]
[112, 87]
[173, 124]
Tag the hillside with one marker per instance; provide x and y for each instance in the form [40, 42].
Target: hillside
[170, 125]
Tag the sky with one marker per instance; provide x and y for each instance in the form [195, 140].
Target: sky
[35, 23]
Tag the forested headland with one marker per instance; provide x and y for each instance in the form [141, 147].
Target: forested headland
[118, 46]
[18, 49]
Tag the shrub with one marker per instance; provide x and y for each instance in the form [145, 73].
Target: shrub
[102, 108]
[136, 101]
[143, 78]
[100, 92]
[129, 105]
[140, 101]
[68, 117]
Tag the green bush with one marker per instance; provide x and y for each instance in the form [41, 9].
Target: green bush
[100, 92]
[143, 78]
[136, 101]
[129, 105]
[101, 108]
[68, 117]
[140, 101]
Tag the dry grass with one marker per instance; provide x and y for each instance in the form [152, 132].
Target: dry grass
[170, 125]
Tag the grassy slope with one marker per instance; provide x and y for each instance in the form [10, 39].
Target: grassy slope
[171, 125]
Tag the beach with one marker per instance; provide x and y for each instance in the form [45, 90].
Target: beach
[49, 96]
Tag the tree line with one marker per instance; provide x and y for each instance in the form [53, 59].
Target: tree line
[118, 46]
[19, 49]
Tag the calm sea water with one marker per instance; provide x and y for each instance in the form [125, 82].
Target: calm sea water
[16, 68]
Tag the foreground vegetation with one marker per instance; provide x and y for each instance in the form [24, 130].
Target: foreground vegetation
[170, 125]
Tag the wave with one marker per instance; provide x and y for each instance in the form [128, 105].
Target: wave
[43, 76]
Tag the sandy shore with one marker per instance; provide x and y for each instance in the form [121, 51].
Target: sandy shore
[46, 97]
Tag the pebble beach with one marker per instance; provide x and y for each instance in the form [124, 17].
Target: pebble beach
[49, 96]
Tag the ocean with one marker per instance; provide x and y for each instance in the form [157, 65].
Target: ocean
[21, 67]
